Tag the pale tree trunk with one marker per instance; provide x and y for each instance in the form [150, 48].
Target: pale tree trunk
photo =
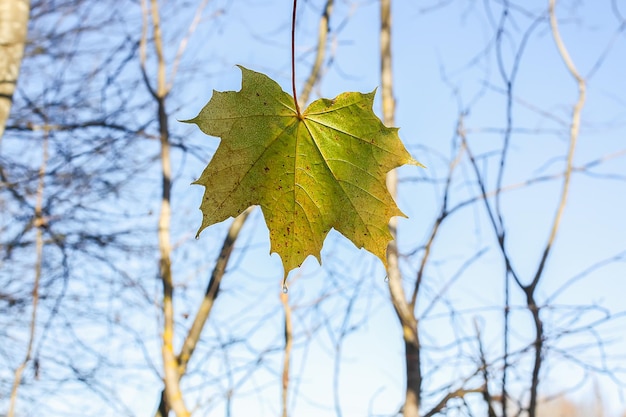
[206, 306]
[403, 308]
[13, 29]
[39, 223]
[175, 365]
[171, 376]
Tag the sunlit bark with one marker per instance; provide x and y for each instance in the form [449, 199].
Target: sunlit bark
[13, 29]
[403, 309]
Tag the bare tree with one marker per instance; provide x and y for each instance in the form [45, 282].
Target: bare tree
[105, 295]
[404, 309]
[487, 375]
[160, 91]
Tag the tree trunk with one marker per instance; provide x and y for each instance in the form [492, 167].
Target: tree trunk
[13, 29]
[413, 378]
[403, 308]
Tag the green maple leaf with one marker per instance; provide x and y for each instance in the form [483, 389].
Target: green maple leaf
[323, 170]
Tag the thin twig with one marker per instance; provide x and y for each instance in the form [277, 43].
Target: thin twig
[288, 334]
[574, 132]
[322, 36]
[39, 223]
[185, 41]
[529, 289]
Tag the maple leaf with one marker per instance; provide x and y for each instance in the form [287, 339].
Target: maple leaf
[323, 170]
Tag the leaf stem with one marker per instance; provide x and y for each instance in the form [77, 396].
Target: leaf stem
[293, 59]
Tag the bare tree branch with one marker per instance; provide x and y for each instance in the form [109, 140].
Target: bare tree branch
[39, 224]
[403, 309]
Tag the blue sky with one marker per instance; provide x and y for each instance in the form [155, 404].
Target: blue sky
[444, 62]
